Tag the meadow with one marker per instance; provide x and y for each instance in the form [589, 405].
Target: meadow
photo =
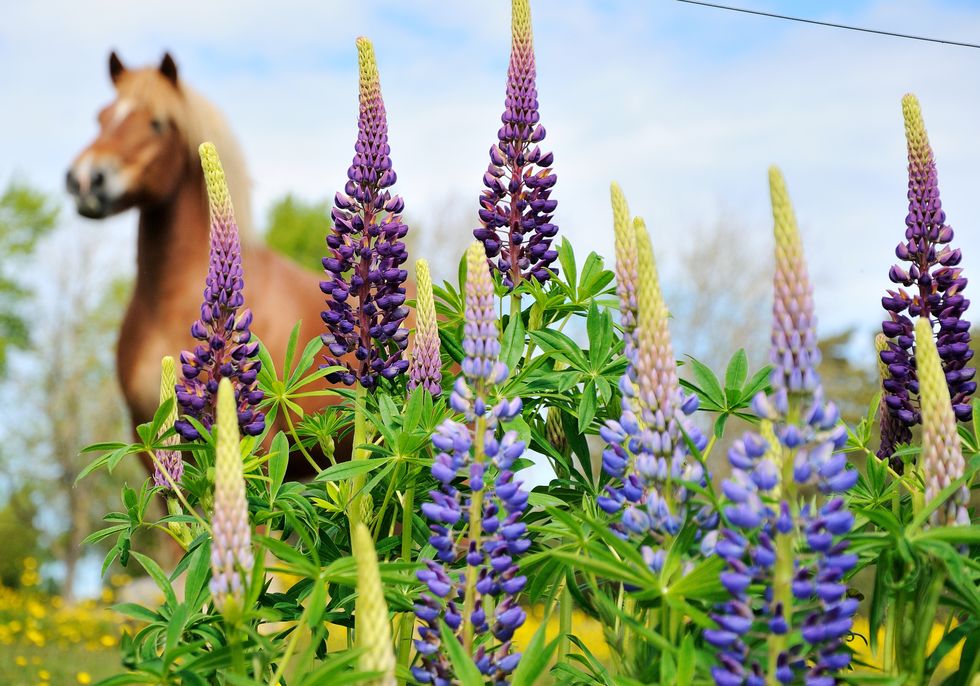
[351, 506]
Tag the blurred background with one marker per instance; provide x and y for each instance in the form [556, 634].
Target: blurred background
[685, 106]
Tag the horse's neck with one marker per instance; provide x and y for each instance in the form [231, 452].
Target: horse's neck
[172, 247]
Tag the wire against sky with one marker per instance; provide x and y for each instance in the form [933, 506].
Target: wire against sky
[827, 23]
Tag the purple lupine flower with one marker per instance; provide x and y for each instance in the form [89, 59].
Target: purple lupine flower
[226, 349]
[932, 267]
[425, 367]
[367, 251]
[791, 546]
[491, 543]
[893, 431]
[645, 449]
[516, 208]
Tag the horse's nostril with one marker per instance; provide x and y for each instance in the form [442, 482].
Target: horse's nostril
[98, 178]
[71, 182]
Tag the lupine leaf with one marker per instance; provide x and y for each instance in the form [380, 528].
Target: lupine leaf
[463, 666]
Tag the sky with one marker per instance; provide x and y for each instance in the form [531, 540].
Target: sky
[685, 106]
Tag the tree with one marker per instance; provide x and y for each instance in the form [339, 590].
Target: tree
[297, 229]
[26, 216]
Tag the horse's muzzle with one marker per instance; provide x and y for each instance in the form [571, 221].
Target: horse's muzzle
[91, 195]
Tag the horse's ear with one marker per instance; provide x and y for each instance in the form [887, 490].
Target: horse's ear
[169, 68]
[116, 67]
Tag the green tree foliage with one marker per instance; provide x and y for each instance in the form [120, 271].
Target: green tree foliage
[20, 537]
[26, 215]
[297, 229]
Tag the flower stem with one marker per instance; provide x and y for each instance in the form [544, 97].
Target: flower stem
[565, 607]
[290, 648]
[475, 534]
[408, 618]
[929, 602]
[299, 443]
[360, 437]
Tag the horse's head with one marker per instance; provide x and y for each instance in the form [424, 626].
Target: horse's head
[140, 154]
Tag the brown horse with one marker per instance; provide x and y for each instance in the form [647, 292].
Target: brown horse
[145, 156]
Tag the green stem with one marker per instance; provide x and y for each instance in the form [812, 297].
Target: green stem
[290, 648]
[299, 443]
[360, 437]
[408, 618]
[235, 646]
[176, 489]
[565, 607]
[475, 534]
[926, 618]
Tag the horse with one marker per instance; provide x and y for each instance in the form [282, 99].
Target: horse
[145, 157]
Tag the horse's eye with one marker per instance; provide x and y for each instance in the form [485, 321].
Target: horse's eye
[157, 125]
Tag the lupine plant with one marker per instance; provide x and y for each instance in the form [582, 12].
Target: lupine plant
[817, 553]
[226, 349]
[932, 266]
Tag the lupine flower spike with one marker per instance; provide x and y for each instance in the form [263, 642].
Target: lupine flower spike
[366, 251]
[893, 430]
[791, 546]
[942, 453]
[226, 349]
[371, 612]
[646, 451]
[932, 267]
[425, 367]
[231, 546]
[169, 460]
[516, 208]
[481, 520]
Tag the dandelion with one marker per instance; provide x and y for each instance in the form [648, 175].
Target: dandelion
[516, 207]
[367, 251]
[425, 367]
[231, 546]
[481, 522]
[932, 268]
[226, 349]
[791, 546]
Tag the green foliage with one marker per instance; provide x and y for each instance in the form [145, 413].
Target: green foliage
[566, 355]
[296, 229]
[26, 216]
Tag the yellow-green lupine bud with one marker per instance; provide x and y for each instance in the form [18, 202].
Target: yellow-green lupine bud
[626, 263]
[794, 353]
[219, 199]
[656, 366]
[522, 37]
[169, 466]
[231, 547]
[425, 367]
[370, 82]
[373, 630]
[916, 137]
[942, 454]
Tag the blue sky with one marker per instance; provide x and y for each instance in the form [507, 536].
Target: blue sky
[685, 106]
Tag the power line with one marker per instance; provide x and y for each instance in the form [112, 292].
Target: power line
[827, 23]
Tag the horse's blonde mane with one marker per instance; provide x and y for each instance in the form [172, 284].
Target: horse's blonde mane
[199, 121]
